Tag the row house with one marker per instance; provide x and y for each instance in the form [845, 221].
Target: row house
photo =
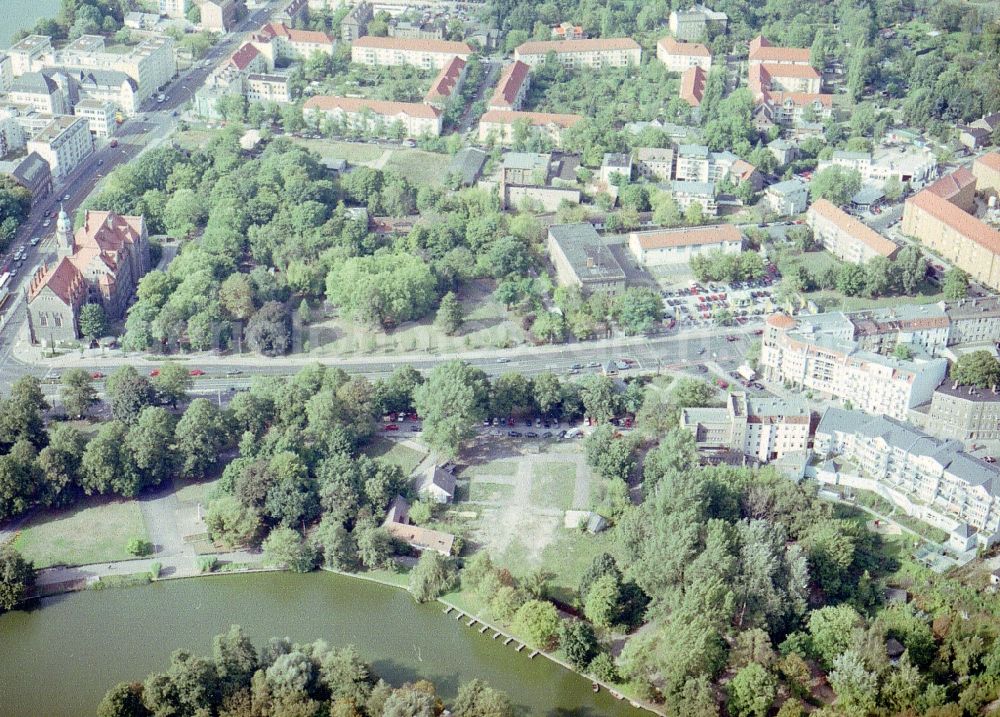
[377, 116]
[394, 51]
[846, 237]
[578, 54]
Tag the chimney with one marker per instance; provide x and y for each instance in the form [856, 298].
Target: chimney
[590, 262]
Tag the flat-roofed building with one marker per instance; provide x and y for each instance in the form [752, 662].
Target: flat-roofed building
[973, 320]
[515, 81]
[687, 193]
[100, 116]
[392, 51]
[846, 237]
[925, 327]
[765, 428]
[64, 143]
[692, 163]
[268, 88]
[525, 168]
[655, 163]
[500, 125]
[577, 54]
[30, 54]
[379, 116]
[663, 247]
[680, 56]
[696, 23]
[581, 258]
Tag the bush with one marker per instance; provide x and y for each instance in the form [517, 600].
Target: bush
[139, 547]
[603, 668]
[154, 570]
[207, 563]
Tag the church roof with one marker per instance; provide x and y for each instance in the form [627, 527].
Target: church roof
[63, 278]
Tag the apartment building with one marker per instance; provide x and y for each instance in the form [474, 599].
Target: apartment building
[377, 116]
[39, 92]
[448, 84]
[681, 56]
[846, 237]
[615, 163]
[29, 54]
[788, 197]
[946, 227]
[500, 125]
[930, 479]
[6, 72]
[986, 170]
[582, 259]
[973, 321]
[568, 31]
[100, 116]
[355, 22]
[64, 143]
[515, 81]
[687, 193]
[176, 9]
[219, 15]
[108, 86]
[793, 109]
[663, 247]
[392, 51]
[268, 88]
[278, 41]
[578, 54]
[696, 23]
[775, 77]
[961, 413]
[923, 327]
[916, 167]
[819, 354]
[763, 52]
[692, 88]
[785, 86]
[655, 163]
[765, 428]
[692, 163]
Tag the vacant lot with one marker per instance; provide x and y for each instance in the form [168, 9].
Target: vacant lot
[553, 484]
[418, 166]
[353, 152]
[395, 454]
[93, 531]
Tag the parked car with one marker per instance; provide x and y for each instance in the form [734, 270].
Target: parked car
[196, 372]
[97, 375]
[514, 434]
[155, 372]
[390, 427]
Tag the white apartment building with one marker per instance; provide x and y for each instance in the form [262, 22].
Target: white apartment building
[377, 116]
[174, 8]
[499, 125]
[276, 40]
[392, 51]
[692, 163]
[927, 478]
[268, 88]
[29, 54]
[110, 86]
[664, 247]
[687, 193]
[819, 353]
[765, 428]
[844, 236]
[655, 163]
[512, 88]
[577, 54]
[39, 92]
[6, 72]
[64, 143]
[100, 116]
[915, 167]
[680, 56]
[788, 197]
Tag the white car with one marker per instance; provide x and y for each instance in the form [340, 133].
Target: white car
[47, 222]
[35, 241]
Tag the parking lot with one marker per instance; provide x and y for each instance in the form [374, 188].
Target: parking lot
[698, 305]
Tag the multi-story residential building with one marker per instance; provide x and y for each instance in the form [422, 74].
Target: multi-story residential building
[296, 11]
[655, 163]
[391, 51]
[915, 167]
[846, 237]
[582, 259]
[680, 56]
[379, 116]
[785, 86]
[615, 163]
[278, 41]
[39, 92]
[102, 263]
[568, 31]
[525, 168]
[765, 428]
[219, 15]
[268, 88]
[945, 226]
[108, 86]
[927, 478]
[973, 321]
[100, 116]
[448, 84]
[783, 151]
[174, 8]
[688, 193]
[29, 54]
[355, 22]
[962, 413]
[430, 30]
[788, 197]
[925, 327]
[677, 246]
[577, 54]
[693, 163]
[818, 353]
[64, 143]
[986, 170]
[515, 81]
[6, 72]
[692, 88]
[33, 174]
[500, 125]
[773, 77]
[696, 23]
[793, 109]
[762, 51]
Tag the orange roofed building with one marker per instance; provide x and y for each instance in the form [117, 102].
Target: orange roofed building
[501, 125]
[101, 263]
[693, 86]
[378, 116]
[785, 85]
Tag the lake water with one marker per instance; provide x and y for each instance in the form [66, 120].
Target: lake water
[59, 659]
[19, 14]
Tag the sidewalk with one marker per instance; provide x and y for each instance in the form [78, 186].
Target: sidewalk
[178, 566]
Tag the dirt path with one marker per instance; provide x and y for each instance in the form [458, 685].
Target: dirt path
[160, 511]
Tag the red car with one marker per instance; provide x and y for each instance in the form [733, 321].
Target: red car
[196, 372]
[390, 427]
[721, 384]
[97, 375]
[155, 372]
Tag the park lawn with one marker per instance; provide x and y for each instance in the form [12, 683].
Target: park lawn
[195, 491]
[493, 468]
[835, 301]
[552, 484]
[93, 531]
[418, 166]
[567, 558]
[487, 492]
[395, 454]
[353, 152]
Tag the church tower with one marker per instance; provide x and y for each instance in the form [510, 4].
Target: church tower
[65, 243]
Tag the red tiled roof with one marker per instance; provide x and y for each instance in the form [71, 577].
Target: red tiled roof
[328, 103]
[537, 119]
[742, 169]
[853, 227]
[797, 71]
[781, 321]
[801, 99]
[510, 83]
[280, 29]
[422, 538]
[447, 79]
[950, 185]
[413, 45]
[693, 85]
[763, 51]
[688, 237]
[63, 278]
[690, 49]
[244, 56]
[991, 160]
[561, 47]
[952, 216]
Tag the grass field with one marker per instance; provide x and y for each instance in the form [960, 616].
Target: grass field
[418, 166]
[353, 152]
[493, 468]
[189, 492]
[94, 531]
[568, 557]
[487, 492]
[552, 484]
[395, 454]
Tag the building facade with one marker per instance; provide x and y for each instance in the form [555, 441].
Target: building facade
[393, 51]
[655, 163]
[677, 246]
[377, 116]
[765, 428]
[579, 54]
[846, 237]
[500, 125]
[962, 413]
[681, 56]
[788, 197]
[515, 81]
[64, 143]
[100, 116]
[582, 259]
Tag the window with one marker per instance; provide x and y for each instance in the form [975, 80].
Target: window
[58, 320]
[43, 319]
